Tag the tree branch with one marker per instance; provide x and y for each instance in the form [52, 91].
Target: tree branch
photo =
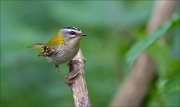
[162, 11]
[136, 84]
[76, 81]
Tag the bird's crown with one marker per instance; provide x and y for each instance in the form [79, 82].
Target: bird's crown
[72, 28]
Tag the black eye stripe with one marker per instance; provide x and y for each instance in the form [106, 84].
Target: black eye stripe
[72, 32]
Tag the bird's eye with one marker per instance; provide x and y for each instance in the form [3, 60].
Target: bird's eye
[72, 33]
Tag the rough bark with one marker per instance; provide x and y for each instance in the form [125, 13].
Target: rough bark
[76, 81]
[136, 85]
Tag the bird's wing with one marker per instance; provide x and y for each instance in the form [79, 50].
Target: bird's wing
[48, 48]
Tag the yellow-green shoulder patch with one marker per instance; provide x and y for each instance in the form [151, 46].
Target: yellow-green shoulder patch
[56, 40]
[61, 38]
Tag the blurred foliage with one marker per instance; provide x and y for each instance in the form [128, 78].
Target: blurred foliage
[167, 87]
[112, 27]
[150, 39]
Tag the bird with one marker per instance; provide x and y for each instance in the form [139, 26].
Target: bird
[62, 47]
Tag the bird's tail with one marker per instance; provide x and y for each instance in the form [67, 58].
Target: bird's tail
[37, 45]
[40, 46]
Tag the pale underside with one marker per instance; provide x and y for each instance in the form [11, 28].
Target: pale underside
[64, 53]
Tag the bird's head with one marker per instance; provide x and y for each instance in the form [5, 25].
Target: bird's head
[71, 33]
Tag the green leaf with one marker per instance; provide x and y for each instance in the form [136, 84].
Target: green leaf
[140, 46]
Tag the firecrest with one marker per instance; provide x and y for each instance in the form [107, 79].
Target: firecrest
[62, 47]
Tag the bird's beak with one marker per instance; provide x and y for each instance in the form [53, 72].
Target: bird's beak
[83, 34]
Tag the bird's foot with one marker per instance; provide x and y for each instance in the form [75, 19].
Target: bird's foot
[57, 67]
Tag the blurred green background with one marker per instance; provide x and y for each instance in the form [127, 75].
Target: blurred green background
[112, 27]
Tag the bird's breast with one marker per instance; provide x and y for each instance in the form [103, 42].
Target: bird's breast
[64, 53]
